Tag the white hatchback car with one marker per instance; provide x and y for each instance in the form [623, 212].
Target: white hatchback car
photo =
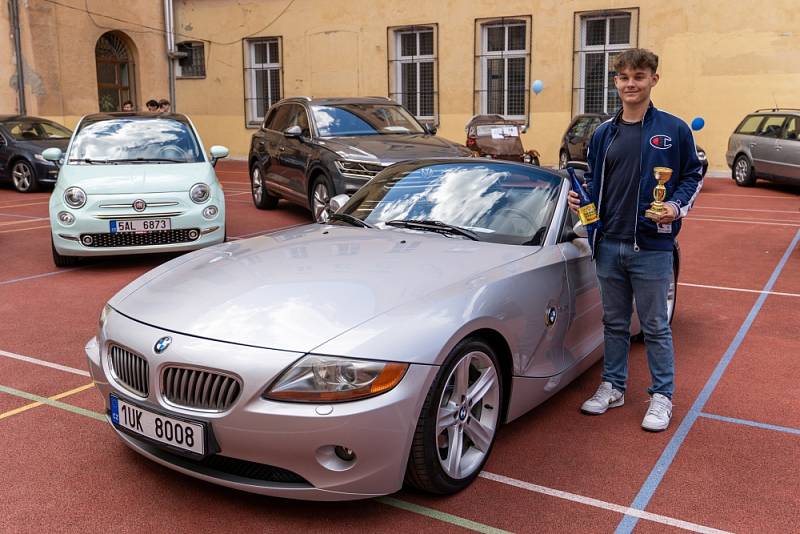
[135, 183]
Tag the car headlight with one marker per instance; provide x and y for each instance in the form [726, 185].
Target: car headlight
[358, 169]
[210, 212]
[75, 197]
[104, 316]
[199, 193]
[66, 218]
[332, 379]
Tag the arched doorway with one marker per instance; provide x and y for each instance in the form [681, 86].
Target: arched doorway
[115, 72]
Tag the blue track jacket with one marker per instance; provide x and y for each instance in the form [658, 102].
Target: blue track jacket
[666, 142]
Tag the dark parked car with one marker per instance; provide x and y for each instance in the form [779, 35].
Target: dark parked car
[575, 142]
[308, 151]
[22, 140]
[766, 144]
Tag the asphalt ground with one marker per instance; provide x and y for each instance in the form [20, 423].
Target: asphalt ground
[729, 462]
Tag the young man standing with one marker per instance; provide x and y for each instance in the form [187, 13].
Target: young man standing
[633, 253]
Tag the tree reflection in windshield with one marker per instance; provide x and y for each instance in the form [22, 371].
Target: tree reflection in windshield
[499, 202]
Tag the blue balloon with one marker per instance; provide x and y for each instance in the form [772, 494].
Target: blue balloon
[698, 123]
[537, 86]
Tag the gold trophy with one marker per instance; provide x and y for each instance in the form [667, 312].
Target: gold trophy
[657, 208]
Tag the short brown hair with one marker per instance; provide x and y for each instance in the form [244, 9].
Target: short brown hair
[636, 58]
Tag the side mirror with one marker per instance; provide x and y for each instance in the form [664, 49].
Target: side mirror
[336, 203]
[52, 154]
[578, 165]
[430, 129]
[218, 152]
[580, 230]
[293, 131]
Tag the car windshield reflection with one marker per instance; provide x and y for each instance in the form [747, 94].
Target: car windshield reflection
[364, 119]
[133, 140]
[496, 202]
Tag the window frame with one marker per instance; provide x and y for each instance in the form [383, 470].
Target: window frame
[251, 118]
[483, 55]
[179, 70]
[396, 60]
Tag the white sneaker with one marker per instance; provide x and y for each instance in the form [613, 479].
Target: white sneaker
[658, 414]
[606, 397]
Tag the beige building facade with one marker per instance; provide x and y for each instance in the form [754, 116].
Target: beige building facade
[446, 60]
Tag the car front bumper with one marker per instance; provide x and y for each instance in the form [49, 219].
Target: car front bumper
[294, 437]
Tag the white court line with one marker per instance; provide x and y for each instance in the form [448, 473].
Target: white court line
[33, 276]
[797, 211]
[44, 363]
[738, 218]
[740, 221]
[656, 518]
[740, 289]
[227, 194]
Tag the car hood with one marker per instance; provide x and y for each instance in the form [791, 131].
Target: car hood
[138, 178]
[297, 288]
[394, 148]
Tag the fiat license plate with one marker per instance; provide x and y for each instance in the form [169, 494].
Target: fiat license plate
[176, 432]
[140, 225]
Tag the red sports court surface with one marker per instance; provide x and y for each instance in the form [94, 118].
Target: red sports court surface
[729, 461]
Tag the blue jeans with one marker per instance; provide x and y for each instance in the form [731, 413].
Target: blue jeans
[625, 275]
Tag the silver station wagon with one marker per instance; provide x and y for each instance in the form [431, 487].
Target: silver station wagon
[766, 145]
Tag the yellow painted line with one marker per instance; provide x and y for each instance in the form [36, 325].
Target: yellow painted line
[53, 398]
[9, 223]
[23, 229]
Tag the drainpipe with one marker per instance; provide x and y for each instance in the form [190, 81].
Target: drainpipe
[13, 9]
[169, 29]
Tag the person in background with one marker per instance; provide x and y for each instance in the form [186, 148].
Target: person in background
[127, 106]
[164, 105]
[152, 105]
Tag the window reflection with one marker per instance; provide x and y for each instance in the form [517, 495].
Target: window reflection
[363, 119]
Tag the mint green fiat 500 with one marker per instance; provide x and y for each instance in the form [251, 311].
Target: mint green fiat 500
[134, 183]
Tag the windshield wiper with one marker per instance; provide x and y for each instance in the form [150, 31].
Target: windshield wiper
[147, 160]
[433, 226]
[89, 161]
[344, 217]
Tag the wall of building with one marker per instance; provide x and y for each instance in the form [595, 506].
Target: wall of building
[719, 58]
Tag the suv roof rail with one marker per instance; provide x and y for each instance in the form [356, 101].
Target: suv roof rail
[776, 109]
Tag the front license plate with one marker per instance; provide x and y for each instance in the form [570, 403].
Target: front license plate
[176, 432]
[140, 225]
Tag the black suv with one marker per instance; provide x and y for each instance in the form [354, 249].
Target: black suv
[575, 142]
[309, 150]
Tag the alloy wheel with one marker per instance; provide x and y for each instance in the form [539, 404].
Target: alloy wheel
[258, 188]
[742, 170]
[468, 415]
[320, 200]
[22, 176]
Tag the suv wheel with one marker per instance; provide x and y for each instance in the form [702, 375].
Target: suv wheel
[321, 193]
[261, 197]
[562, 159]
[743, 172]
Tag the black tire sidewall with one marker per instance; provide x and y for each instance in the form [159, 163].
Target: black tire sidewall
[267, 201]
[319, 178]
[749, 179]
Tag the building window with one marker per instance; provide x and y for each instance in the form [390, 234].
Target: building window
[263, 77]
[602, 38]
[503, 55]
[413, 70]
[193, 64]
[114, 72]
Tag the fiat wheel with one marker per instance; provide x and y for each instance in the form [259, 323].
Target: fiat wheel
[320, 198]
[743, 172]
[459, 420]
[24, 177]
[261, 197]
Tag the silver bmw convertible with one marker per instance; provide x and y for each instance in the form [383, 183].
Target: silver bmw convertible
[337, 361]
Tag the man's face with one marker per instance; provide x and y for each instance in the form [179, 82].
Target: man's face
[152, 108]
[634, 85]
[127, 107]
[163, 108]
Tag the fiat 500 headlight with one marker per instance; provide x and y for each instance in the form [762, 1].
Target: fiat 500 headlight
[199, 193]
[75, 197]
[332, 379]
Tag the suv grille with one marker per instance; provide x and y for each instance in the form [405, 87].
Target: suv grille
[198, 389]
[132, 239]
[130, 370]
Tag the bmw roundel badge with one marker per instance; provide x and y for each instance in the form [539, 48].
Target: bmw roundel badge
[162, 344]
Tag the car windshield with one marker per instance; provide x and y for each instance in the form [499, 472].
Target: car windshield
[364, 119]
[36, 130]
[497, 202]
[135, 140]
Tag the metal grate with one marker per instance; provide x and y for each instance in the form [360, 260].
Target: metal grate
[130, 370]
[199, 389]
[132, 239]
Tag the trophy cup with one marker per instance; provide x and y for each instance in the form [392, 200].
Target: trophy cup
[657, 209]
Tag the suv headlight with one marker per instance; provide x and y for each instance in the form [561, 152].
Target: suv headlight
[332, 379]
[357, 169]
[199, 193]
[75, 197]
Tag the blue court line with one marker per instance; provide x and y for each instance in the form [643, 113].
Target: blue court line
[746, 422]
[650, 485]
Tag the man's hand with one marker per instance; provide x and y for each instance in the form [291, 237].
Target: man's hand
[670, 215]
[574, 201]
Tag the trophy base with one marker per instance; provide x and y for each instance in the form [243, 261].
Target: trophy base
[654, 214]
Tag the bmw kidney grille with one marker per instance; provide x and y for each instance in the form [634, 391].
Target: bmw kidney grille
[130, 370]
[199, 389]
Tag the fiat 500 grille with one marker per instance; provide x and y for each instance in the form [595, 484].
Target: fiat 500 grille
[199, 389]
[132, 239]
[130, 370]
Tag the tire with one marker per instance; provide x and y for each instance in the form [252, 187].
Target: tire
[23, 176]
[426, 469]
[320, 195]
[63, 261]
[562, 159]
[262, 199]
[742, 172]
